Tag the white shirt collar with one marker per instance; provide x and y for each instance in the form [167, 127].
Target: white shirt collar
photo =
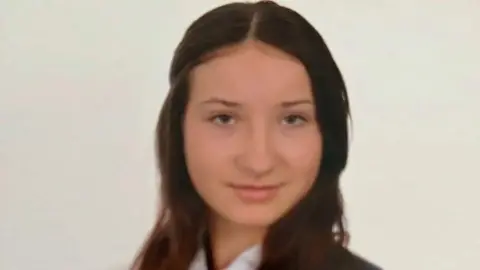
[248, 260]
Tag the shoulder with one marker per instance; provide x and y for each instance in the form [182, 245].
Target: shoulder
[359, 263]
[348, 260]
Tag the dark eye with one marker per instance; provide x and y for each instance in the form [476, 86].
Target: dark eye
[222, 119]
[294, 120]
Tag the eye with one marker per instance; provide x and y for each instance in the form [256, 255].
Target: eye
[222, 119]
[294, 120]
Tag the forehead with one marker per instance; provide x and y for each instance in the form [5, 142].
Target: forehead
[250, 69]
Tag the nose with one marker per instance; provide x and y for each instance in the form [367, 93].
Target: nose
[258, 153]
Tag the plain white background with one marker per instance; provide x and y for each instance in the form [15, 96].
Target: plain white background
[81, 84]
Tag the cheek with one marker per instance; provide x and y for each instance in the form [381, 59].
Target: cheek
[304, 158]
[204, 155]
[304, 153]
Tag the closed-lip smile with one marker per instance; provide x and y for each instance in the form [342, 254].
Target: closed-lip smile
[254, 187]
[255, 193]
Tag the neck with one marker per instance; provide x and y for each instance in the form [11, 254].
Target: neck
[229, 240]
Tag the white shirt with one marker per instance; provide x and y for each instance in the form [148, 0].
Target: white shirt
[248, 260]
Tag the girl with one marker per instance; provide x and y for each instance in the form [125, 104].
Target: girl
[251, 142]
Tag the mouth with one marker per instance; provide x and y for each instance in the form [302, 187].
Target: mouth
[254, 187]
[255, 193]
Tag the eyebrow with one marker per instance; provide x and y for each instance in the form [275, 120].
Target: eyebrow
[221, 101]
[228, 103]
[293, 103]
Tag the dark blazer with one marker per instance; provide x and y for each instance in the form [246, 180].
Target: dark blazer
[350, 261]
[341, 258]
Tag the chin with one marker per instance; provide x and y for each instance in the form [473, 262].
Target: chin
[254, 218]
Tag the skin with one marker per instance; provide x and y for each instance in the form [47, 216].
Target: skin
[250, 120]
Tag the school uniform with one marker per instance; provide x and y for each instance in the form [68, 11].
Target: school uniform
[250, 260]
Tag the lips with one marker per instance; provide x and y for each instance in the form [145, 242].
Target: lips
[255, 193]
[254, 187]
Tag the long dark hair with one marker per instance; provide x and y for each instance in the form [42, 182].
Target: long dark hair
[307, 236]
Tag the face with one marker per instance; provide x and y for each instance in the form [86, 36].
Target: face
[252, 143]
